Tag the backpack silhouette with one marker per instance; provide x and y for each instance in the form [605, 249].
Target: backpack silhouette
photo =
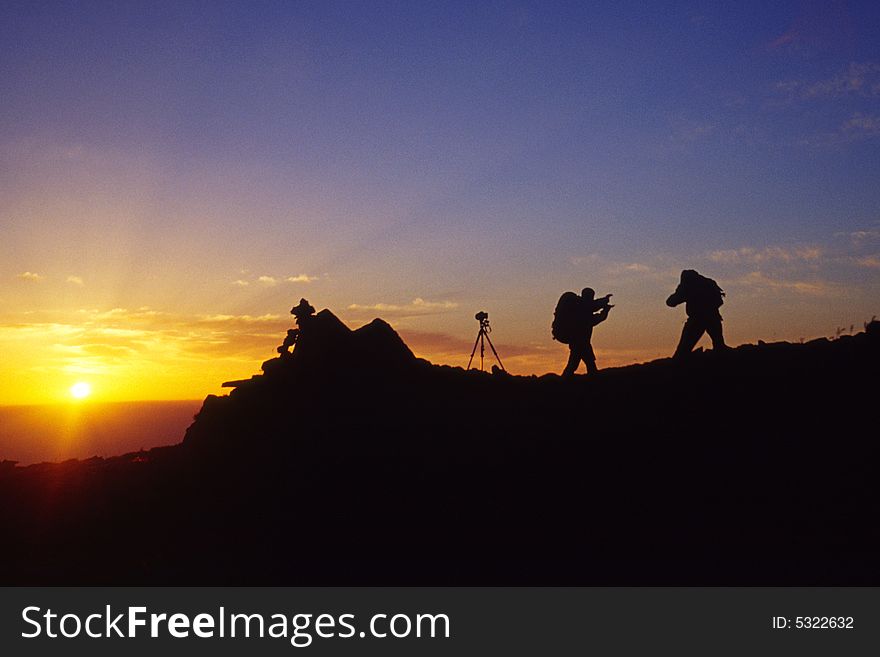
[706, 293]
[565, 318]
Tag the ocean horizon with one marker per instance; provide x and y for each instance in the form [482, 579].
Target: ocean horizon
[58, 432]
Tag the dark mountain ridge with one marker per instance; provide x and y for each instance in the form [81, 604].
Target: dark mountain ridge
[350, 461]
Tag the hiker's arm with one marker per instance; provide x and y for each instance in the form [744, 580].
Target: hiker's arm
[675, 298]
[601, 316]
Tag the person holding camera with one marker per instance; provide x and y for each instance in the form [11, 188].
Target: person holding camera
[573, 324]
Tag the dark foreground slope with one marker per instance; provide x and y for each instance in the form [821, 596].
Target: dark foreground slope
[353, 462]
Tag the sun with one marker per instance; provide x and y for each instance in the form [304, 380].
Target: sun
[80, 390]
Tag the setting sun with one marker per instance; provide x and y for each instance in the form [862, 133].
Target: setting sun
[80, 390]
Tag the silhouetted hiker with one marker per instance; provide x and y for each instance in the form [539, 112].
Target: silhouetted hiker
[702, 298]
[573, 322]
[304, 313]
[289, 341]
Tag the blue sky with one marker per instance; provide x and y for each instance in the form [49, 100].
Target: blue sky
[227, 158]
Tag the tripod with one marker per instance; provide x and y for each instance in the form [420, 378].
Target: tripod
[482, 339]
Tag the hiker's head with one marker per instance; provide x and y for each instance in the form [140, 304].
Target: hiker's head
[588, 293]
[689, 275]
[304, 309]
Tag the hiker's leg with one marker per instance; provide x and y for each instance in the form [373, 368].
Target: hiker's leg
[590, 360]
[690, 336]
[713, 328]
[574, 359]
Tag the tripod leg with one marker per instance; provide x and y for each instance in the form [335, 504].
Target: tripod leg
[496, 354]
[482, 348]
[474, 350]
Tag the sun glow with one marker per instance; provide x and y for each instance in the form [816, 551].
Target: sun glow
[80, 390]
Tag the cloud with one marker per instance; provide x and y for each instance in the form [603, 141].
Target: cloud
[628, 267]
[417, 306]
[862, 126]
[589, 259]
[271, 281]
[75, 280]
[871, 262]
[110, 351]
[768, 254]
[117, 339]
[783, 39]
[139, 315]
[858, 237]
[610, 266]
[859, 127]
[227, 320]
[760, 280]
[861, 79]
[30, 277]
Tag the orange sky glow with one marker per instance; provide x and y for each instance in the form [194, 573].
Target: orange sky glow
[173, 180]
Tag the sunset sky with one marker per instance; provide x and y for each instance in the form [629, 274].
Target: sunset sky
[174, 176]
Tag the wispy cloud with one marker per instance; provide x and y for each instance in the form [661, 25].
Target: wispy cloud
[816, 27]
[859, 127]
[761, 280]
[228, 320]
[655, 267]
[858, 79]
[628, 267]
[856, 88]
[860, 237]
[97, 340]
[271, 281]
[794, 267]
[30, 277]
[871, 262]
[768, 254]
[585, 260]
[75, 280]
[144, 313]
[784, 39]
[860, 82]
[862, 126]
[417, 306]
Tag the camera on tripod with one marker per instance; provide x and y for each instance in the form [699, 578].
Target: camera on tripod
[482, 338]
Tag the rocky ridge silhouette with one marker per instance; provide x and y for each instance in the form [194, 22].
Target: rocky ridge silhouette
[351, 461]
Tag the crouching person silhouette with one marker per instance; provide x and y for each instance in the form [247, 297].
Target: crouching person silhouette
[573, 323]
[702, 298]
[304, 313]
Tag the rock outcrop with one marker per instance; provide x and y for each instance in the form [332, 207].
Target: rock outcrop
[350, 461]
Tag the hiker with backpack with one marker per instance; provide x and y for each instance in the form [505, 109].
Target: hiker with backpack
[573, 322]
[702, 298]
